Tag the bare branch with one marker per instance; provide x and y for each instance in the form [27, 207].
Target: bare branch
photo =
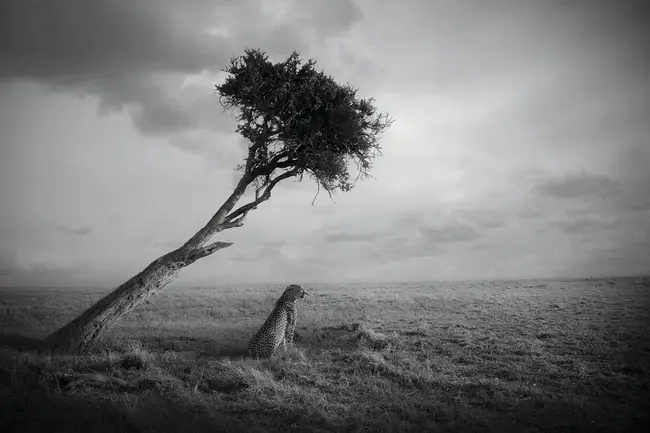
[206, 251]
[239, 222]
[273, 164]
[236, 223]
[317, 192]
[261, 198]
[232, 224]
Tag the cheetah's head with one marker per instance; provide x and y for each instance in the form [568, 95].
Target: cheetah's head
[293, 292]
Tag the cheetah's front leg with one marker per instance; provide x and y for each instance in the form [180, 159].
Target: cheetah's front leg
[291, 327]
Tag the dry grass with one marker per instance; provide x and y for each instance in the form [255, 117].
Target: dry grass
[510, 356]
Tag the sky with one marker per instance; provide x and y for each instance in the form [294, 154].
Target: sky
[520, 147]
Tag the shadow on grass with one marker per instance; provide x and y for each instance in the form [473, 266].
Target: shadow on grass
[40, 411]
[234, 353]
[37, 411]
[20, 342]
[31, 401]
[205, 349]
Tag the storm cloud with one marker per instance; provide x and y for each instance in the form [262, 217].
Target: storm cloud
[585, 224]
[135, 55]
[578, 185]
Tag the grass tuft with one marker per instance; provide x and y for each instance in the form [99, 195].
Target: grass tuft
[137, 357]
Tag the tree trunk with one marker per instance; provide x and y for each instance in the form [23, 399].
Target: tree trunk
[80, 334]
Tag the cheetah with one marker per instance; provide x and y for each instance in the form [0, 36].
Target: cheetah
[279, 327]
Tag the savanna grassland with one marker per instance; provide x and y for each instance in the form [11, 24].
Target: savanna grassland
[522, 356]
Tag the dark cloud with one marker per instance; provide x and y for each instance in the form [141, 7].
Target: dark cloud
[155, 111]
[349, 237]
[333, 18]
[585, 224]
[79, 40]
[9, 263]
[375, 231]
[578, 185]
[413, 234]
[641, 203]
[449, 231]
[112, 49]
[395, 237]
[122, 50]
[76, 231]
[629, 192]
[397, 248]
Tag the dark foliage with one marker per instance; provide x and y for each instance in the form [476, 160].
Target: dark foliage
[299, 119]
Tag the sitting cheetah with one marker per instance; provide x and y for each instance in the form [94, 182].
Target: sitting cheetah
[279, 326]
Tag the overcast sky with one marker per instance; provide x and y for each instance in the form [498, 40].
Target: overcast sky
[520, 148]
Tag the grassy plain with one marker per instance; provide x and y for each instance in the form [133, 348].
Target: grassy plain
[527, 356]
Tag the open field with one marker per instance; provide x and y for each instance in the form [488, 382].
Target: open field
[509, 356]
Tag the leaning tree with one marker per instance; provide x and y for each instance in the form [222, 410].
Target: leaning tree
[296, 121]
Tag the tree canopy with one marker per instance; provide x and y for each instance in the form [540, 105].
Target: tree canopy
[300, 119]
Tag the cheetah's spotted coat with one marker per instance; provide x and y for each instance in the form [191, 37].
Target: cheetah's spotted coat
[279, 327]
